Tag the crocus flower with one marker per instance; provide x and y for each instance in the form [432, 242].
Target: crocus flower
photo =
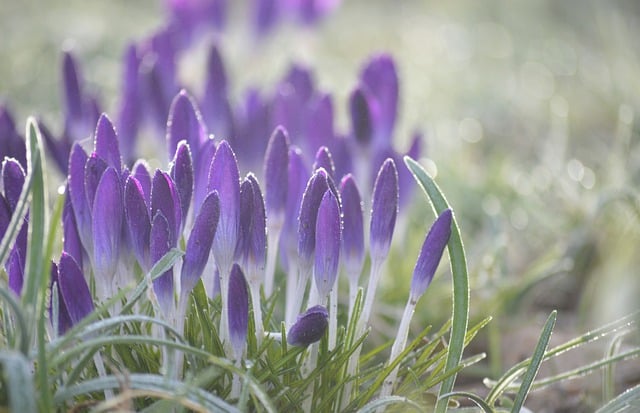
[430, 254]
[129, 112]
[238, 310]
[160, 244]
[11, 142]
[381, 79]
[215, 105]
[181, 170]
[73, 289]
[309, 206]
[106, 143]
[276, 162]
[138, 221]
[251, 248]
[184, 123]
[309, 327]
[384, 210]
[324, 160]
[328, 238]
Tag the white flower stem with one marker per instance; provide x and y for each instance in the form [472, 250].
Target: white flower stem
[333, 317]
[273, 237]
[353, 293]
[292, 288]
[303, 278]
[224, 322]
[236, 385]
[254, 287]
[398, 345]
[374, 278]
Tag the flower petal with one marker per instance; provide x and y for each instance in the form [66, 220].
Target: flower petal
[74, 289]
[164, 197]
[431, 253]
[384, 210]
[309, 206]
[13, 177]
[138, 221]
[160, 244]
[276, 163]
[93, 170]
[184, 123]
[182, 174]
[238, 309]
[381, 78]
[324, 160]
[328, 237]
[309, 327]
[353, 230]
[362, 115]
[77, 194]
[129, 112]
[106, 143]
[107, 218]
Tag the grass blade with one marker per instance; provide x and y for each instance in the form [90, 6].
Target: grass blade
[536, 360]
[18, 382]
[629, 401]
[471, 396]
[389, 400]
[460, 278]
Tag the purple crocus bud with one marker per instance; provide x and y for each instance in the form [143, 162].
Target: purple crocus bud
[215, 106]
[64, 320]
[252, 119]
[71, 241]
[93, 171]
[353, 228]
[5, 215]
[164, 197]
[381, 78]
[430, 254]
[13, 177]
[138, 221]
[362, 115]
[182, 174]
[160, 243]
[201, 169]
[106, 143]
[251, 248]
[309, 206]
[199, 244]
[297, 177]
[73, 289]
[73, 98]
[225, 178]
[276, 164]
[384, 210]
[77, 194]
[328, 237]
[301, 79]
[15, 271]
[309, 327]
[324, 160]
[129, 114]
[140, 171]
[184, 123]
[319, 127]
[238, 309]
[11, 143]
[107, 218]
[265, 15]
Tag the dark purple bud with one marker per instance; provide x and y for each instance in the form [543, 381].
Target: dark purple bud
[342, 153]
[5, 215]
[297, 177]
[252, 119]
[184, 123]
[201, 170]
[12, 179]
[430, 254]
[238, 309]
[138, 221]
[73, 289]
[11, 143]
[324, 160]
[215, 107]
[164, 197]
[309, 206]
[301, 79]
[107, 218]
[276, 164]
[362, 116]
[160, 243]
[64, 320]
[225, 178]
[182, 174]
[353, 227]
[71, 241]
[15, 271]
[141, 172]
[77, 194]
[384, 210]
[251, 248]
[200, 240]
[93, 171]
[73, 100]
[328, 237]
[381, 78]
[106, 143]
[309, 327]
[129, 115]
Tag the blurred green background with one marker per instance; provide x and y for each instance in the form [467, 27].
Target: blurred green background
[529, 109]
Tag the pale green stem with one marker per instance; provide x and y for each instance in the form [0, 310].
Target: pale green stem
[292, 288]
[273, 237]
[102, 372]
[254, 287]
[333, 317]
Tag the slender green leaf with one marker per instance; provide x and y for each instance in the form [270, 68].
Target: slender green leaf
[376, 404]
[536, 360]
[473, 397]
[20, 320]
[627, 402]
[18, 382]
[460, 278]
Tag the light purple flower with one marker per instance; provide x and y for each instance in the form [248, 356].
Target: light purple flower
[238, 309]
[251, 249]
[276, 164]
[160, 244]
[182, 174]
[184, 123]
[309, 206]
[381, 78]
[309, 327]
[328, 238]
[430, 254]
[353, 227]
[107, 224]
[324, 160]
[384, 210]
[129, 111]
[164, 197]
[106, 143]
[215, 106]
[138, 221]
[73, 289]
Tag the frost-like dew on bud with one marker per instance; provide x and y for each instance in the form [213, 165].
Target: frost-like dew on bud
[13, 177]
[324, 160]
[106, 143]
[184, 123]
[309, 327]
[199, 244]
[107, 224]
[328, 236]
[238, 310]
[384, 210]
[431, 253]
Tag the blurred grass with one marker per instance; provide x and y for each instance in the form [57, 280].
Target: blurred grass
[529, 109]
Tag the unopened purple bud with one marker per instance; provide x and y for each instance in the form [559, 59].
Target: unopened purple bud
[324, 160]
[297, 177]
[138, 221]
[140, 171]
[353, 227]
[301, 79]
[384, 210]
[276, 164]
[129, 114]
[362, 117]
[71, 241]
[12, 144]
[164, 197]
[106, 143]
[160, 244]
[200, 240]
[265, 15]
[13, 177]
[5, 215]
[309, 206]
[309, 327]
[252, 236]
[319, 129]
[15, 271]
[74, 289]
[328, 237]
[93, 171]
[184, 123]
[381, 78]
[225, 178]
[238, 309]
[215, 107]
[72, 94]
[107, 223]
[77, 194]
[431, 253]
[64, 320]
[182, 174]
